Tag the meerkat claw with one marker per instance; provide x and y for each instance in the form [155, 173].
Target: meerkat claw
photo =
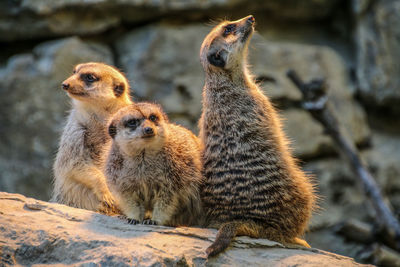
[149, 222]
[133, 221]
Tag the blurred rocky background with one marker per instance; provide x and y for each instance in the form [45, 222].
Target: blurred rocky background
[354, 45]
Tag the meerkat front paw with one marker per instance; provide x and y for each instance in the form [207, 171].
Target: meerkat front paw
[108, 205]
[107, 200]
[149, 222]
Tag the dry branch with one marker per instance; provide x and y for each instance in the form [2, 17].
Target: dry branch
[316, 102]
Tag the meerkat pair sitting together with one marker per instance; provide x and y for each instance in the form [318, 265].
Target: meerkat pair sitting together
[252, 185]
[151, 165]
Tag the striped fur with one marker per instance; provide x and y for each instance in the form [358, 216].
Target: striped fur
[253, 185]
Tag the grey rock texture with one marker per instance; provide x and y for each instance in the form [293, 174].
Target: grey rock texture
[378, 47]
[64, 17]
[35, 107]
[342, 194]
[343, 222]
[387, 171]
[162, 63]
[37, 232]
[271, 60]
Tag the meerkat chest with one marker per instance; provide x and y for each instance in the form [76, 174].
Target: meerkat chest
[237, 141]
[148, 172]
[230, 125]
[149, 181]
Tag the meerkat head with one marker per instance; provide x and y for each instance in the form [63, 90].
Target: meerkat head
[225, 47]
[98, 84]
[139, 127]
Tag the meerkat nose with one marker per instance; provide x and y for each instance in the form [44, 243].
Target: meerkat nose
[148, 131]
[65, 86]
[251, 19]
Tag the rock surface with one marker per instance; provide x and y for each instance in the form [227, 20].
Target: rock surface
[342, 194]
[378, 48]
[37, 232]
[64, 17]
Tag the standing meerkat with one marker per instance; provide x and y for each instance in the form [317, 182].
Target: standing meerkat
[97, 91]
[253, 185]
[154, 167]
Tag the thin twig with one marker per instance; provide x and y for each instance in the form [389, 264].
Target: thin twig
[316, 102]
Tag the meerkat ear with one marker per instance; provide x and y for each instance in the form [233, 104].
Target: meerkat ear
[165, 117]
[217, 58]
[112, 130]
[119, 89]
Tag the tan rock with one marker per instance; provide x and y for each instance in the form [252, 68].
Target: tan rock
[37, 232]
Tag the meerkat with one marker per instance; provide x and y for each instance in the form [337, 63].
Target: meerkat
[97, 91]
[253, 185]
[154, 167]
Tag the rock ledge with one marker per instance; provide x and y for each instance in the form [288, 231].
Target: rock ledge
[37, 232]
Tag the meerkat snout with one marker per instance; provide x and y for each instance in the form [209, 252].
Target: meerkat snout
[65, 85]
[148, 132]
[251, 19]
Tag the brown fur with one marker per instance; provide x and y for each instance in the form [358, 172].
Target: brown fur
[253, 185]
[158, 173]
[78, 177]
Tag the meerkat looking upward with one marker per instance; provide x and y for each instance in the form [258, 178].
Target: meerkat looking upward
[154, 167]
[97, 91]
[253, 185]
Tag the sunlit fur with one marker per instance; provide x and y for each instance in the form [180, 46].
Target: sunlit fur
[79, 180]
[253, 185]
[160, 174]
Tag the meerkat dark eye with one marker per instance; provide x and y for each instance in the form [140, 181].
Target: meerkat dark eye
[74, 71]
[88, 77]
[153, 118]
[133, 123]
[229, 28]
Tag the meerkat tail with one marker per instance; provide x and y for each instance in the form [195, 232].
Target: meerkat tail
[224, 237]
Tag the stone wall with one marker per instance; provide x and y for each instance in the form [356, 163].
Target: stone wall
[354, 45]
